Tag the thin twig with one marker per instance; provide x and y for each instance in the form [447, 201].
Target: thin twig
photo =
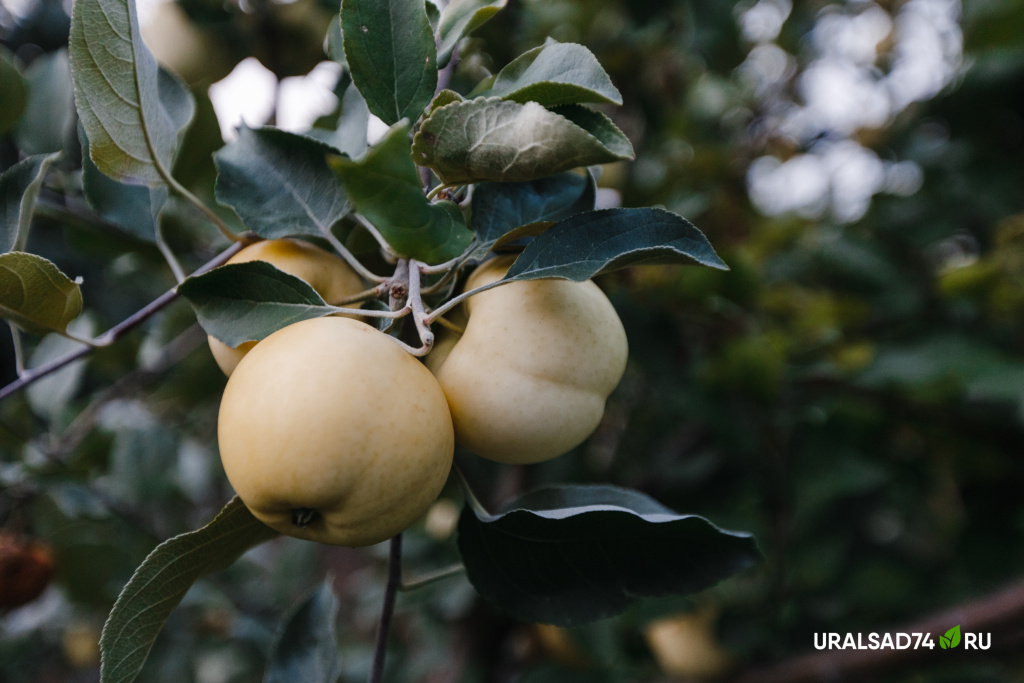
[198, 203]
[387, 610]
[165, 250]
[445, 322]
[418, 313]
[115, 332]
[371, 293]
[433, 577]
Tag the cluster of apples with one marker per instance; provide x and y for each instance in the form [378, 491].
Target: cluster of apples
[332, 432]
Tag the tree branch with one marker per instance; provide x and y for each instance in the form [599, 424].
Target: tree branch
[999, 610]
[387, 610]
[115, 332]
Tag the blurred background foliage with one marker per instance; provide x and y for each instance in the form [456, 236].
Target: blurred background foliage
[852, 391]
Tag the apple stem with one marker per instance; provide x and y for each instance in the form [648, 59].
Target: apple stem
[303, 517]
[387, 610]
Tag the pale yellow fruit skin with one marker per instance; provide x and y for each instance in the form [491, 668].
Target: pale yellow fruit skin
[332, 415]
[529, 378]
[328, 274]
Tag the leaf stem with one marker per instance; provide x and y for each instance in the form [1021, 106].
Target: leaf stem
[199, 204]
[433, 577]
[387, 609]
[165, 250]
[445, 322]
[467, 493]
[19, 349]
[441, 188]
[351, 260]
[455, 301]
[117, 331]
[389, 253]
[371, 293]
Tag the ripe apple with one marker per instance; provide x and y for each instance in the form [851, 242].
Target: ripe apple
[529, 378]
[331, 432]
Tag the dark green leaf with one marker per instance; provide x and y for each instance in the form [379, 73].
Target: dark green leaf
[49, 111]
[392, 55]
[553, 74]
[459, 19]
[587, 244]
[131, 113]
[248, 301]
[162, 580]
[306, 649]
[127, 206]
[19, 189]
[13, 91]
[279, 183]
[567, 555]
[490, 139]
[35, 295]
[501, 207]
[385, 188]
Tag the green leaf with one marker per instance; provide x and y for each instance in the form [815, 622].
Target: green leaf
[459, 19]
[568, 555]
[499, 208]
[445, 97]
[553, 74]
[279, 183]
[306, 649]
[130, 207]
[13, 91]
[490, 139]
[587, 244]
[162, 580]
[19, 189]
[49, 111]
[35, 295]
[392, 55]
[132, 114]
[951, 639]
[385, 188]
[249, 301]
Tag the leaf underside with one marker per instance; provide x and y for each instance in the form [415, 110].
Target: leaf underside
[567, 555]
[36, 295]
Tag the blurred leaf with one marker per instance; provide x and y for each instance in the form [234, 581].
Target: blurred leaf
[133, 113]
[349, 134]
[161, 582]
[49, 395]
[248, 301]
[554, 74]
[127, 206]
[588, 244]
[35, 295]
[501, 207]
[306, 649]
[567, 555]
[13, 91]
[386, 189]
[459, 19]
[279, 183]
[19, 189]
[392, 55]
[49, 112]
[490, 139]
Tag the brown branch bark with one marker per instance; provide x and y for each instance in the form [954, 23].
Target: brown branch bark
[999, 613]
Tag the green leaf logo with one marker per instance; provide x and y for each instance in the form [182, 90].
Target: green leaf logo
[951, 639]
